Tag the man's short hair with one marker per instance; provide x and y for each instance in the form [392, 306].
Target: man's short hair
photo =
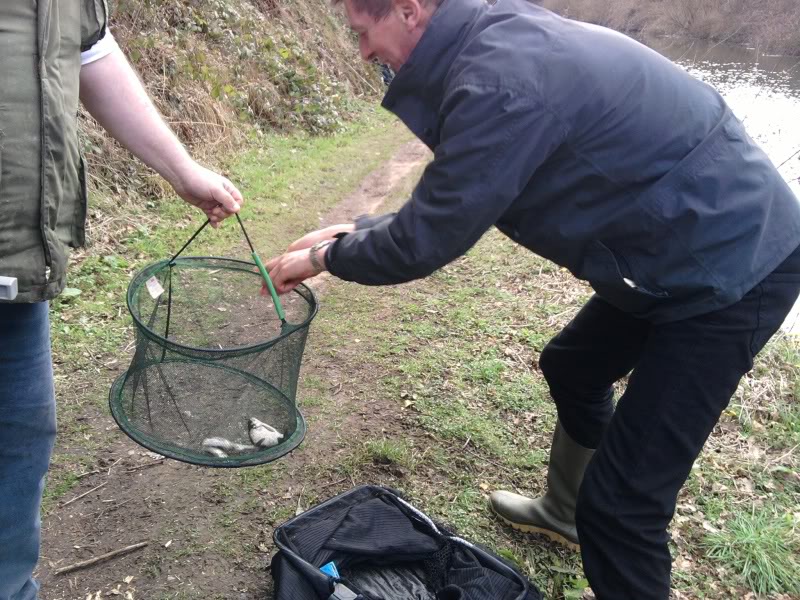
[380, 9]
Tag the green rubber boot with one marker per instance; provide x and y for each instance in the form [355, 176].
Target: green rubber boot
[553, 514]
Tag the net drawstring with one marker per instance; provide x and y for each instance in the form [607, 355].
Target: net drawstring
[186, 245]
[275, 299]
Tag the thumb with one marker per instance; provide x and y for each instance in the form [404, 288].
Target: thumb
[232, 190]
[223, 197]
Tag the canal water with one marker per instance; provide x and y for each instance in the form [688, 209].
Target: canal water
[763, 91]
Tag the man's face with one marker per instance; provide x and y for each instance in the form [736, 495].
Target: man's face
[389, 40]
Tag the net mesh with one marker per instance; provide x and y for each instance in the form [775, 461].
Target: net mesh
[213, 380]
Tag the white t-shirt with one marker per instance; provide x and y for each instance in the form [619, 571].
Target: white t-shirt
[105, 46]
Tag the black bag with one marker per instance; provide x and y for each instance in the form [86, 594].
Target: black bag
[375, 546]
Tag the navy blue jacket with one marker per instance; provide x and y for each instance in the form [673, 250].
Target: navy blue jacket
[586, 147]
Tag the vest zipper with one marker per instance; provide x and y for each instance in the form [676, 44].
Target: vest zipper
[42, 26]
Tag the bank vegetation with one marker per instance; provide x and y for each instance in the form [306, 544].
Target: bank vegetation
[772, 26]
[226, 72]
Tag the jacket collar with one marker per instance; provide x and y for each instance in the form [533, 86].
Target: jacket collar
[424, 73]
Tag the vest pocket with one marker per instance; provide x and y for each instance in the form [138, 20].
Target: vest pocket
[81, 208]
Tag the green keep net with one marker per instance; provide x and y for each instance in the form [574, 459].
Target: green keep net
[213, 379]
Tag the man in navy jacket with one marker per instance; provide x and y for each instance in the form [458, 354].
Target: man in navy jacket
[606, 158]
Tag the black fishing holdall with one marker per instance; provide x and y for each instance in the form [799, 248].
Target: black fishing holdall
[370, 544]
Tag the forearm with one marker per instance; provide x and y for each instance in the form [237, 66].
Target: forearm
[113, 94]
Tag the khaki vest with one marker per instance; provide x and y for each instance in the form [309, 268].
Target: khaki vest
[42, 179]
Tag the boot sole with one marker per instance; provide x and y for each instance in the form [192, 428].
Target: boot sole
[551, 535]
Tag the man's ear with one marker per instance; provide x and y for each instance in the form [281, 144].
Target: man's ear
[409, 11]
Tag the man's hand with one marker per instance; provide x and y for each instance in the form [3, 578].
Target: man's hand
[292, 268]
[320, 235]
[212, 193]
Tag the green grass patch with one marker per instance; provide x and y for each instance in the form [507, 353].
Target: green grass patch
[389, 452]
[762, 548]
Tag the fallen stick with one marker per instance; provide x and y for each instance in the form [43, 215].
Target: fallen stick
[94, 489]
[147, 466]
[101, 558]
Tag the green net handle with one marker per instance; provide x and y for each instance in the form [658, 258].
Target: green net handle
[270, 287]
[275, 299]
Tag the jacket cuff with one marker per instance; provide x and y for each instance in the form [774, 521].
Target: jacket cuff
[369, 221]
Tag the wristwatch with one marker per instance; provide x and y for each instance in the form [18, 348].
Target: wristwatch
[314, 257]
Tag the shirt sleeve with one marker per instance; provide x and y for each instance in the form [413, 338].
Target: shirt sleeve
[104, 46]
[491, 142]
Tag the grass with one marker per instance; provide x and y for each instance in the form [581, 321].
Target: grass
[760, 548]
[388, 452]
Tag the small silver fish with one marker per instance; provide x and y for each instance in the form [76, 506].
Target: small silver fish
[263, 435]
[214, 452]
[226, 446]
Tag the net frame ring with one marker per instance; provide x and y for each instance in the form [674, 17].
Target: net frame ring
[212, 358]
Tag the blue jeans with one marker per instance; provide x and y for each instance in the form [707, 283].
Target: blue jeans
[27, 433]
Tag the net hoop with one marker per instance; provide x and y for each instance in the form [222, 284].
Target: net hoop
[193, 457]
[236, 265]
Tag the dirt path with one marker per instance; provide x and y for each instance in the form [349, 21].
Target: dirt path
[208, 531]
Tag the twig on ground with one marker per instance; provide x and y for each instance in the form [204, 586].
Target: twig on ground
[775, 461]
[101, 558]
[490, 461]
[76, 498]
[112, 466]
[332, 483]
[147, 466]
[110, 509]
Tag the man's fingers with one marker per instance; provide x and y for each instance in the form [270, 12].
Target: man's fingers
[287, 287]
[233, 191]
[274, 268]
[226, 200]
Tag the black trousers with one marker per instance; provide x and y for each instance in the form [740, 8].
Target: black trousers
[682, 376]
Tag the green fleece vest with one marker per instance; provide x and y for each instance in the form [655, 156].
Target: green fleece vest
[42, 179]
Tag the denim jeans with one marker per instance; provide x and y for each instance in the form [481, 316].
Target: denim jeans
[682, 376]
[27, 433]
